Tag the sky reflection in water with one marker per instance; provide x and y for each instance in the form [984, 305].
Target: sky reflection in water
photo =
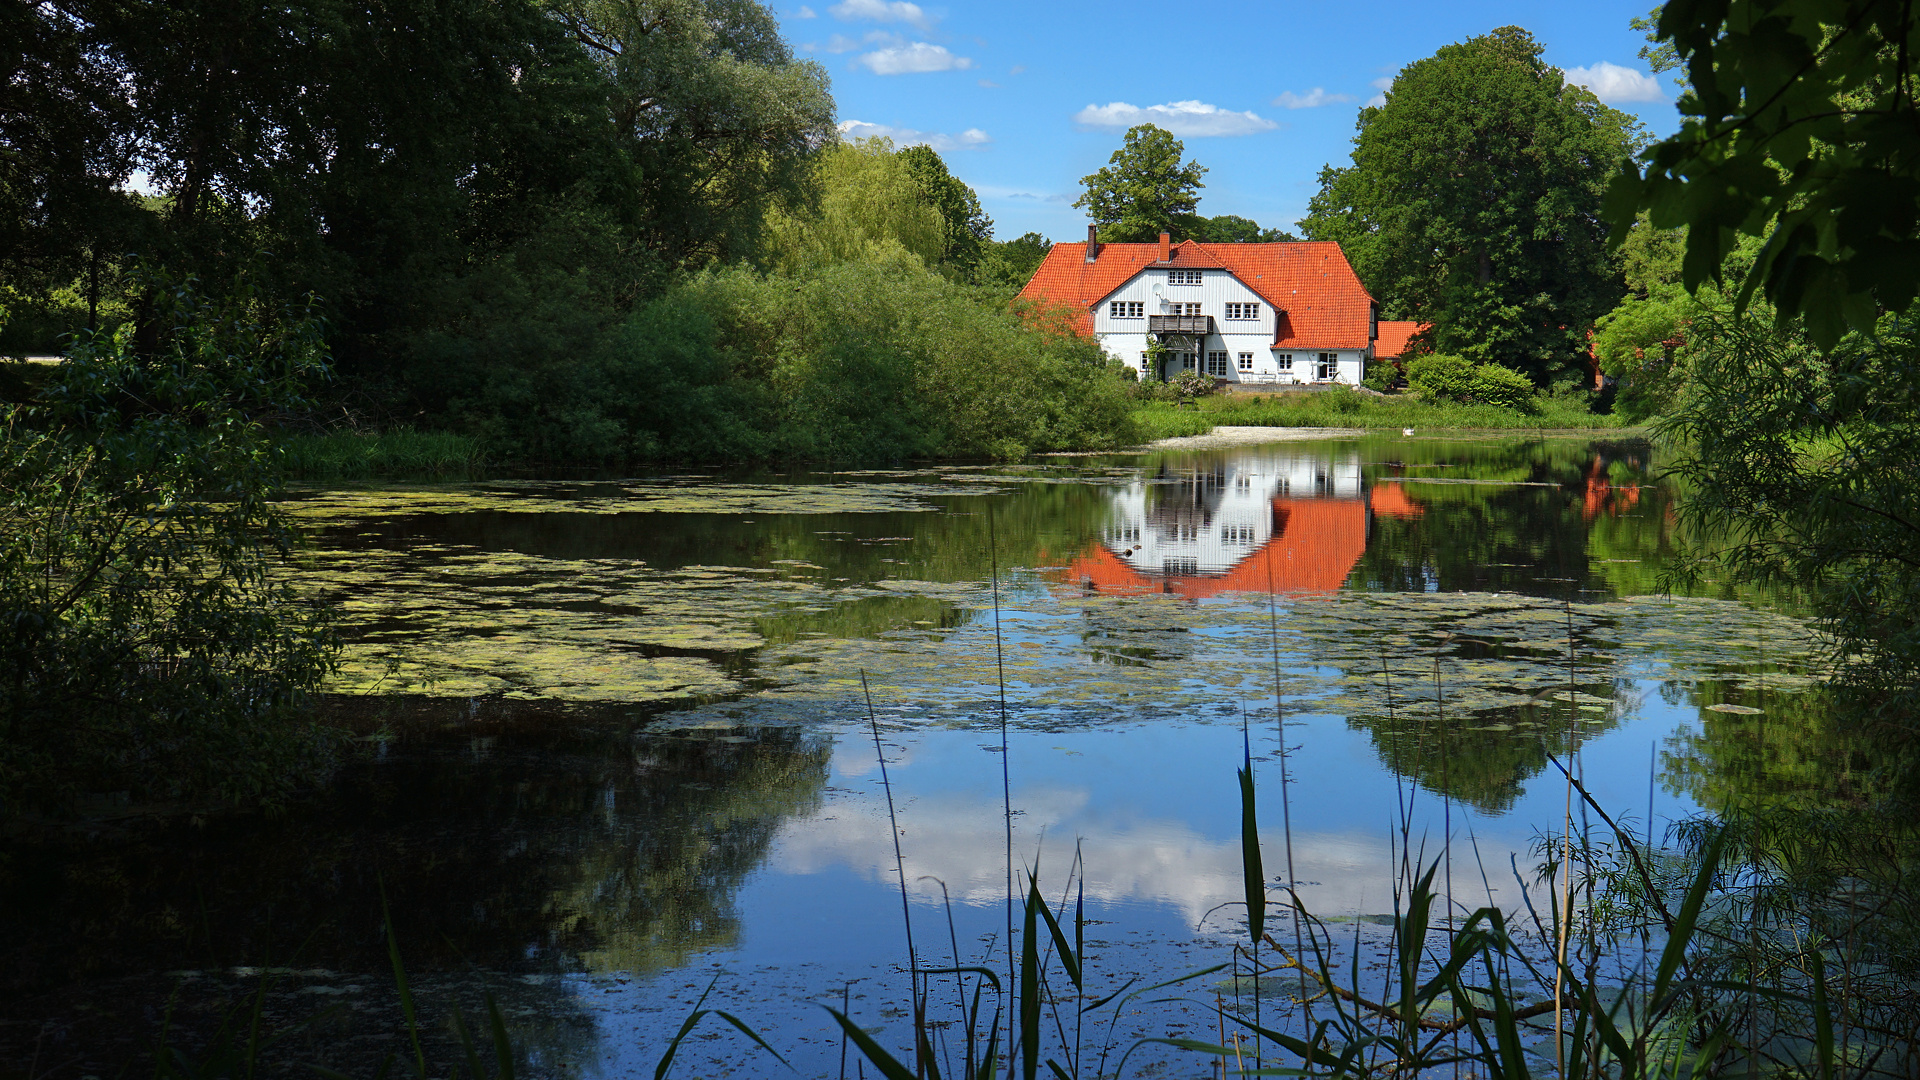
[1137, 629]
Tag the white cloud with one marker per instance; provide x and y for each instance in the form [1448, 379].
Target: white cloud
[989, 84]
[992, 191]
[1179, 117]
[840, 43]
[805, 12]
[883, 11]
[1616, 85]
[1383, 84]
[909, 59]
[1312, 99]
[970, 139]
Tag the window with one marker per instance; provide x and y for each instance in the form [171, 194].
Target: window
[1126, 309]
[1183, 277]
[1237, 534]
[1177, 308]
[1283, 360]
[1186, 361]
[1217, 364]
[1243, 311]
[1328, 367]
[1246, 361]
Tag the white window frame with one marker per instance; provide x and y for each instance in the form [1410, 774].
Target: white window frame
[1217, 363]
[1183, 277]
[1237, 310]
[1283, 361]
[1244, 361]
[1126, 309]
[1327, 369]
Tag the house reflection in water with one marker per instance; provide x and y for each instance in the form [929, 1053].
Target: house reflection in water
[1281, 522]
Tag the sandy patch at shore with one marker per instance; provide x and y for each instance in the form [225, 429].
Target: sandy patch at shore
[1243, 436]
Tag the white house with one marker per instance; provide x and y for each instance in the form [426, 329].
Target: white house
[1252, 313]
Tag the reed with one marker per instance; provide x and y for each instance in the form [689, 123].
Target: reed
[399, 452]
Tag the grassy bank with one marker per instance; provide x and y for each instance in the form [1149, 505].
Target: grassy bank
[1352, 409]
[402, 452]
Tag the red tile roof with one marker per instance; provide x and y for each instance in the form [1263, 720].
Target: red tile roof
[1316, 544]
[1393, 338]
[1321, 302]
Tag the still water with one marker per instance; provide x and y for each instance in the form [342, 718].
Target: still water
[615, 741]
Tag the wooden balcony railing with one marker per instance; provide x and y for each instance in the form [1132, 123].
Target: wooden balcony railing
[1180, 324]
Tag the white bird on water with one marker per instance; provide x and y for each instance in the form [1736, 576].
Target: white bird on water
[1406, 431]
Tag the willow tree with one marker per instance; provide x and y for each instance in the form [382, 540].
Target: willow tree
[1474, 202]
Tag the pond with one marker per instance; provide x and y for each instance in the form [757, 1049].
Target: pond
[616, 740]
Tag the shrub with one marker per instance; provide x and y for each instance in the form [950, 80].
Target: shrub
[1381, 376]
[151, 651]
[1502, 386]
[1342, 399]
[1192, 384]
[1439, 377]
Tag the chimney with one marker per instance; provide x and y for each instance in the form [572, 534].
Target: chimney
[1093, 242]
[1166, 248]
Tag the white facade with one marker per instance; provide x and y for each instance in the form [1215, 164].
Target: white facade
[1240, 350]
[1208, 522]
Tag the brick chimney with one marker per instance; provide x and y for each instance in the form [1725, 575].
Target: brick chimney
[1093, 242]
[1166, 248]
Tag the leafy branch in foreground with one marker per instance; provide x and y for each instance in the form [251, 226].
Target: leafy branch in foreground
[151, 651]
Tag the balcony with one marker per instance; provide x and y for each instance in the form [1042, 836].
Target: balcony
[1180, 324]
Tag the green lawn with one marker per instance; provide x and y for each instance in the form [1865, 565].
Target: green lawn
[1353, 409]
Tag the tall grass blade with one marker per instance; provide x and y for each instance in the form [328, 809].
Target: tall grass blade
[1068, 958]
[400, 983]
[1029, 987]
[1674, 955]
[502, 1046]
[1822, 1015]
[888, 1065]
[1255, 876]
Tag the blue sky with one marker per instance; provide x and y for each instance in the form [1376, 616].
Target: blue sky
[1023, 99]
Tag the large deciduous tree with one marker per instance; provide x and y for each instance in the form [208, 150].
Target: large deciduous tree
[967, 228]
[1144, 190]
[1474, 202]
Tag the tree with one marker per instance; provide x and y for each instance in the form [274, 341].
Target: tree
[1234, 229]
[1799, 126]
[1473, 202]
[1009, 265]
[1144, 190]
[967, 228]
[719, 119]
[866, 199]
[150, 648]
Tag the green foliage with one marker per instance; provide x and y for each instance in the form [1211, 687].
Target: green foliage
[151, 650]
[490, 182]
[1799, 470]
[1501, 386]
[398, 452]
[1798, 125]
[1144, 190]
[1007, 266]
[1440, 377]
[1192, 384]
[966, 228]
[873, 358]
[715, 120]
[1474, 203]
[868, 200]
[1234, 229]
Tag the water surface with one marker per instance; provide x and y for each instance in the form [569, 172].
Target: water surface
[617, 746]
